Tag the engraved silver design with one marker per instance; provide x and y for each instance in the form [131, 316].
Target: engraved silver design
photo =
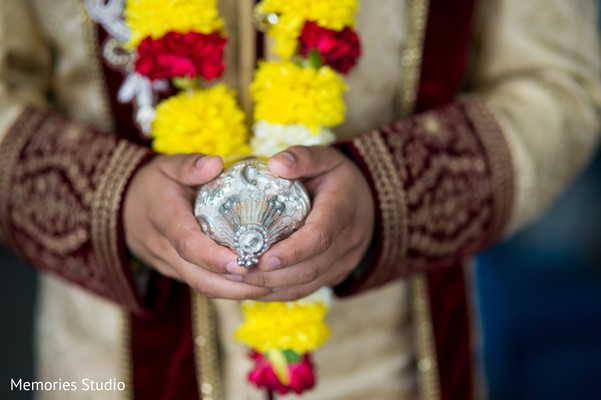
[248, 208]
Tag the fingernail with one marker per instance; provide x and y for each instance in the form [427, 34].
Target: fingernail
[232, 268]
[202, 161]
[287, 159]
[273, 263]
[234, 278]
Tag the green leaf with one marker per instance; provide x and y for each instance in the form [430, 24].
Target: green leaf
[313, 60]
[185, 83]
[292, 356]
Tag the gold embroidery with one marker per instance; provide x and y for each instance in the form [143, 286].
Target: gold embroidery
[62, 211]
[447, 180]
[105, 217]
[411, 59]
[247, 45]
[501, 165]
[126, 370]
[423, 337]
[206, 349]
[391, 199]
[10, 148]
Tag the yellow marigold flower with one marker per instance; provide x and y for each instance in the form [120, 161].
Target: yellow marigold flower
[286, 93]
[155, 18]
[332, 14]
[283, 325]
[203, 121]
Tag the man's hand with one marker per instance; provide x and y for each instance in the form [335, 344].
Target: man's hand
[161, 230]
[336, 234]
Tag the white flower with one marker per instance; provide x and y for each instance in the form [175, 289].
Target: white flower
[269, 139]
[323, 295]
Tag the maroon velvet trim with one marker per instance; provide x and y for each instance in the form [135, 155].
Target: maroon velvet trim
[446, 52]
[162, 349]
[445, 59]
[123, 113]
[452, 332]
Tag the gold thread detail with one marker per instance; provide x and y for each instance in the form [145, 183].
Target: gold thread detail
[10, 149]
[392, 202]
[125, 358]
[411, 57]
[500, 161]
[423, 337]
[105, 218]
[204, 325]
[411, 61]
[247, 50]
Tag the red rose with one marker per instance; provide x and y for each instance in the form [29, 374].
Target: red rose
[181, 55]
[338, 49]
[263, 376]
[301, 375]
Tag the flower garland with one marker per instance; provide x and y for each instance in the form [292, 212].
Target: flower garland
[180, 44]
[297, 100]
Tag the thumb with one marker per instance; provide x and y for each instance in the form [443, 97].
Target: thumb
[305, 162]
[191, 169]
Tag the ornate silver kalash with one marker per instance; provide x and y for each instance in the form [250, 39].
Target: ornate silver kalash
[248, 208]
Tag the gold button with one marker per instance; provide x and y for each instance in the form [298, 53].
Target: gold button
[424, 364]
[206, 388]
[200, 340]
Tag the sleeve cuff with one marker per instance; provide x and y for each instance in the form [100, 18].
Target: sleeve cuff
[443, 185]
[62, 213]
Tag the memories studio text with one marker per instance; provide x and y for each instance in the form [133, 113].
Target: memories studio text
[85, 385]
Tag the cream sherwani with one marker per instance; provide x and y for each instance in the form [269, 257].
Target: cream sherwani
[537, 67]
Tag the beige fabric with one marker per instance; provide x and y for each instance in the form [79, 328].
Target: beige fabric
[375, 83]
[539, 70]
[18, 84]
[79, 336]
[77, 83]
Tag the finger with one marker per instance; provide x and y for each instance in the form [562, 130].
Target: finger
[295, 275]
[180, 228]
[153, 250]
[332, 277]
[191, 169]
[213, 285]
[302, 161]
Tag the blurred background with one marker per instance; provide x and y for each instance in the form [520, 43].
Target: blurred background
[539, 296]
[540, 302]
